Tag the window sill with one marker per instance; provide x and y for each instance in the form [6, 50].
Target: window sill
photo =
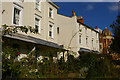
[51, 18]
[51, 38]
[16, 25]
[38, 10]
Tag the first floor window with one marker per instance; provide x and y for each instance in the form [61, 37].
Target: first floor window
[85, 29]
[50, 31]
[86, 41]
[57, 30]
[16, 18]
[37, 25]
[80, 39]
[50, 13]
[92, 43]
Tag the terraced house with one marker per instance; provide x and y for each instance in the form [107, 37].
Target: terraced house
[58, 35]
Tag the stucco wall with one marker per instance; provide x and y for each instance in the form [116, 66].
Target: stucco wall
[28, 18]
[91, 35]
[68, 35]
[68, 26]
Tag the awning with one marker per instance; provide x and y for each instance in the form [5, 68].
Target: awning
[84, 50]
[87, 50]
[33, 40]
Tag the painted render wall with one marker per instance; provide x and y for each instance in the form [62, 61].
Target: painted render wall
[68, 35]
[91, 35]
[28, 18]
[68, 26]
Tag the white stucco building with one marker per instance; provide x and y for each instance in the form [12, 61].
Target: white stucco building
[56, 33]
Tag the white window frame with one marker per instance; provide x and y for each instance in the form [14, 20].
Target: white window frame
[86, 41]
[52, 35]
[51, 12]
[86, 30]
[39, 24]
[58, 30]
[92, 43]
[80, 39]
[17, 6]
[80, 28]
[37, 4]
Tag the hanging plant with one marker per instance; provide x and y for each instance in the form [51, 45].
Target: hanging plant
[14, 29]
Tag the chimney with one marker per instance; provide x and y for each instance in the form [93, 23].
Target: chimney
[73, 13]
[80, 19]
[96, 27]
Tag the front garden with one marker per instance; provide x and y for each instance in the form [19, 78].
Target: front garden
[87, 65]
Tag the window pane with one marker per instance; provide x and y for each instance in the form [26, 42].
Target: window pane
[50, 12]
[50, 31]
[80, 39]
[36, 28]
[16, 17]
[86, 41]
[36, 25]
[37, 4]
[58, 30]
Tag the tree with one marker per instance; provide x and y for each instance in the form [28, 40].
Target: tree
[115, 46]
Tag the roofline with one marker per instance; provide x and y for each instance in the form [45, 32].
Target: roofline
[88, 26]
[65, 16]
[53, 4]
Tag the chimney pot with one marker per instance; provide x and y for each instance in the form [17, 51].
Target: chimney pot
[80, 19]
[96, 27]
[73, 13]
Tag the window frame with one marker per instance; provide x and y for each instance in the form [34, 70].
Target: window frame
[51, 12]
[20, 8]
[80, 39]
[51, 30]
[39, 24]
[92, 43]
[37, 4]
[87, 41]
[58, 30]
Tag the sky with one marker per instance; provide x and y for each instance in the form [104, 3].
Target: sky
[99, 14]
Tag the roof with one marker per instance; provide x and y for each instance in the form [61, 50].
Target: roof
[64, 15]
[53, 4]
[84, 50]
[88, 26]
[88, 50]
[106, 32]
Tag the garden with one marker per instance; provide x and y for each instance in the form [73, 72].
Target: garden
[86, 66]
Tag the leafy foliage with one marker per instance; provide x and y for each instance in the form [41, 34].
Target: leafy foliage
[87, 65]
[115, 46]
[14, 29]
